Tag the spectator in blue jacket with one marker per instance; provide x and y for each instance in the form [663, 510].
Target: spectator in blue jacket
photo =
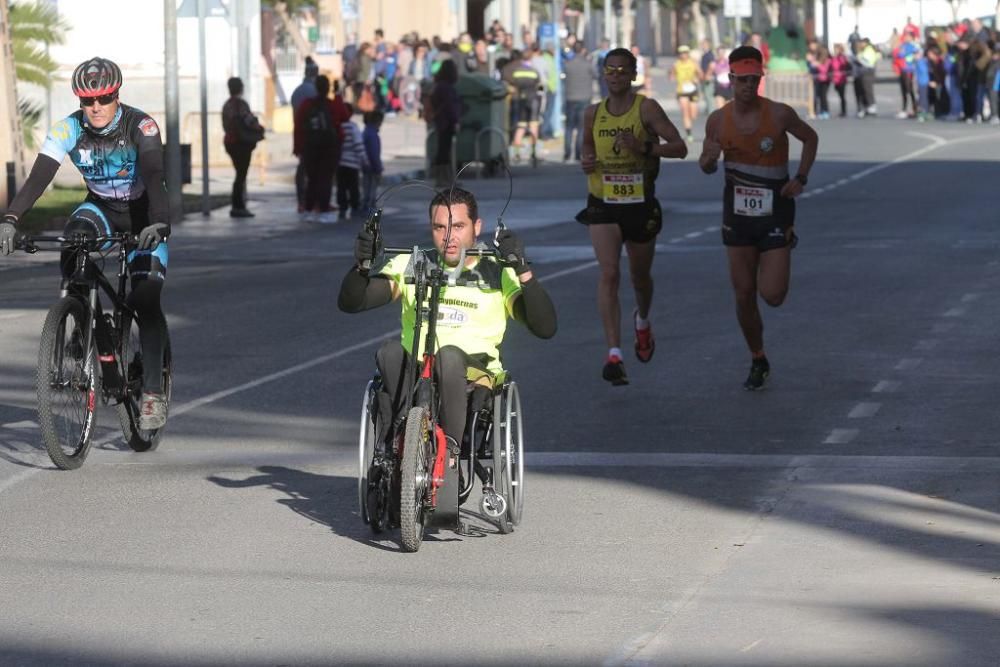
[922, 78]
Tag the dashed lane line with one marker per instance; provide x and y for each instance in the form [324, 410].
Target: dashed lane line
[886, 387]
[841, 436]
[954, 312]
[864, 410]
[926, 344]
[909, 364]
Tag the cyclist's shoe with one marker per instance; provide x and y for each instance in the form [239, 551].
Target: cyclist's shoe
[152, 411]
[645, 344]
[759, 370]
[74, 349]
[614, 371]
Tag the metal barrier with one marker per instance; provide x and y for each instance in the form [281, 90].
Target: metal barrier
[427, 153]
[479, 135]
[794, 89]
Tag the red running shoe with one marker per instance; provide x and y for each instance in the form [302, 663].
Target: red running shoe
[645, 344]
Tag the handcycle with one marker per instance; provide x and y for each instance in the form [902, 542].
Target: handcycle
[83, 349]
[409, 475]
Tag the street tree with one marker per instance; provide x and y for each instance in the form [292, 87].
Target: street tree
[33, 28]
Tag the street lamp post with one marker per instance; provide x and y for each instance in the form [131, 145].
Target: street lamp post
[206, 208]
[174, 194]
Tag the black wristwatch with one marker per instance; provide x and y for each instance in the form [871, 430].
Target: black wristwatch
[802, 178]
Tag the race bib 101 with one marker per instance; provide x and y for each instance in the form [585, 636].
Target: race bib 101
[623, 189]
[752, 202]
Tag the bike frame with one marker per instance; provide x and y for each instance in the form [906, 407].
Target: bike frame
[89, 278]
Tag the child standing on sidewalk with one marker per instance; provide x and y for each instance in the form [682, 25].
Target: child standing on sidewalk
[372, 174]
[352, 161]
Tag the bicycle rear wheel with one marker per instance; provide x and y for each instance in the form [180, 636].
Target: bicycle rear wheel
[66, 384]
[415, 477]
[140, 440]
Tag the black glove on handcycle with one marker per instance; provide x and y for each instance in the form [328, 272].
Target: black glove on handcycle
[364, 248]
[511, 250]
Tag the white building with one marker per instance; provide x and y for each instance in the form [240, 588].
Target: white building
[131, 33]
[877, 18]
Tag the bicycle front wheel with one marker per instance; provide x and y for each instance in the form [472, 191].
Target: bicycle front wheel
[140, 440]
[415, 477]
[66, 384]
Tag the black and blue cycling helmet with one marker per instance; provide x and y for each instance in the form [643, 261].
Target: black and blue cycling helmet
[96, 77]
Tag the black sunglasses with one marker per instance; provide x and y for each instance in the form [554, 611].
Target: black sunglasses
[753, 79]
[103, 99]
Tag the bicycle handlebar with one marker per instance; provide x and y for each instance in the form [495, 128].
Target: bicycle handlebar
[77, 241]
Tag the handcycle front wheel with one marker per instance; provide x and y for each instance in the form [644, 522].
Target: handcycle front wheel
[415, 477]
[66, 384]
[129, 410]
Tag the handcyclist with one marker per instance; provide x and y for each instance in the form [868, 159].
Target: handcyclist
[118, 151]
[472, 318]
[751, 132]
[621, 156]
[525, 82]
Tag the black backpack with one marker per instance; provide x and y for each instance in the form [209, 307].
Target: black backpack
[321, 135]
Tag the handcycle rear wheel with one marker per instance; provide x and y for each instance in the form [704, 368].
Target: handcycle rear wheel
[508, 455]
[129, 410]
[415, 477]
[374, 490]
[66, 384]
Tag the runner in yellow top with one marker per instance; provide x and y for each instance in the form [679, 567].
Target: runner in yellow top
[621, 157]
[688, 77]
[472, 318]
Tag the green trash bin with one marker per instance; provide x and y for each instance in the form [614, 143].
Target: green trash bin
[484, 121]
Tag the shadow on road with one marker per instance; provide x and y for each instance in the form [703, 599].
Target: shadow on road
[331, 500]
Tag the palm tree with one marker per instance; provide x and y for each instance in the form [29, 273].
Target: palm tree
[33, 27]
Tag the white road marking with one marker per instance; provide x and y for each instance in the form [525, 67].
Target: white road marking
[751, 646]
[841, 436]
[937, 143]
[757, 461]
[20, 425]
[678, 239]
[885, 387]
[863, 410]
[909, 364]
[926, 344]
[953, 312]
[693, 235]
[713, 228]
[942, 327]
[970, 297]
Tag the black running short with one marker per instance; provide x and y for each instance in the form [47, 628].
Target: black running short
[765, 232]
[640, 223]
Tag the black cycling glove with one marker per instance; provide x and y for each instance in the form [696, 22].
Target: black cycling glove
[153, 235]
[8, 234]
[511, 250]
[364, 248]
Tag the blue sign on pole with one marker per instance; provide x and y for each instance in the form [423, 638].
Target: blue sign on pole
[548, 38]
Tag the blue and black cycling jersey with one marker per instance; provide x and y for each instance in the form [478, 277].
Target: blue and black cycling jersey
[121, 164]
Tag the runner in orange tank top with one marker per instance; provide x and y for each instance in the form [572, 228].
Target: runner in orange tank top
[751, 134]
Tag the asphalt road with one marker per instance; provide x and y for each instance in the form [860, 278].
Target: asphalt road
[848, 515]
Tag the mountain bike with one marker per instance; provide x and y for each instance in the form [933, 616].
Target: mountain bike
[86, 352]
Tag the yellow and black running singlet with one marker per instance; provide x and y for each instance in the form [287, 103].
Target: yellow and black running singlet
[621, 177]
